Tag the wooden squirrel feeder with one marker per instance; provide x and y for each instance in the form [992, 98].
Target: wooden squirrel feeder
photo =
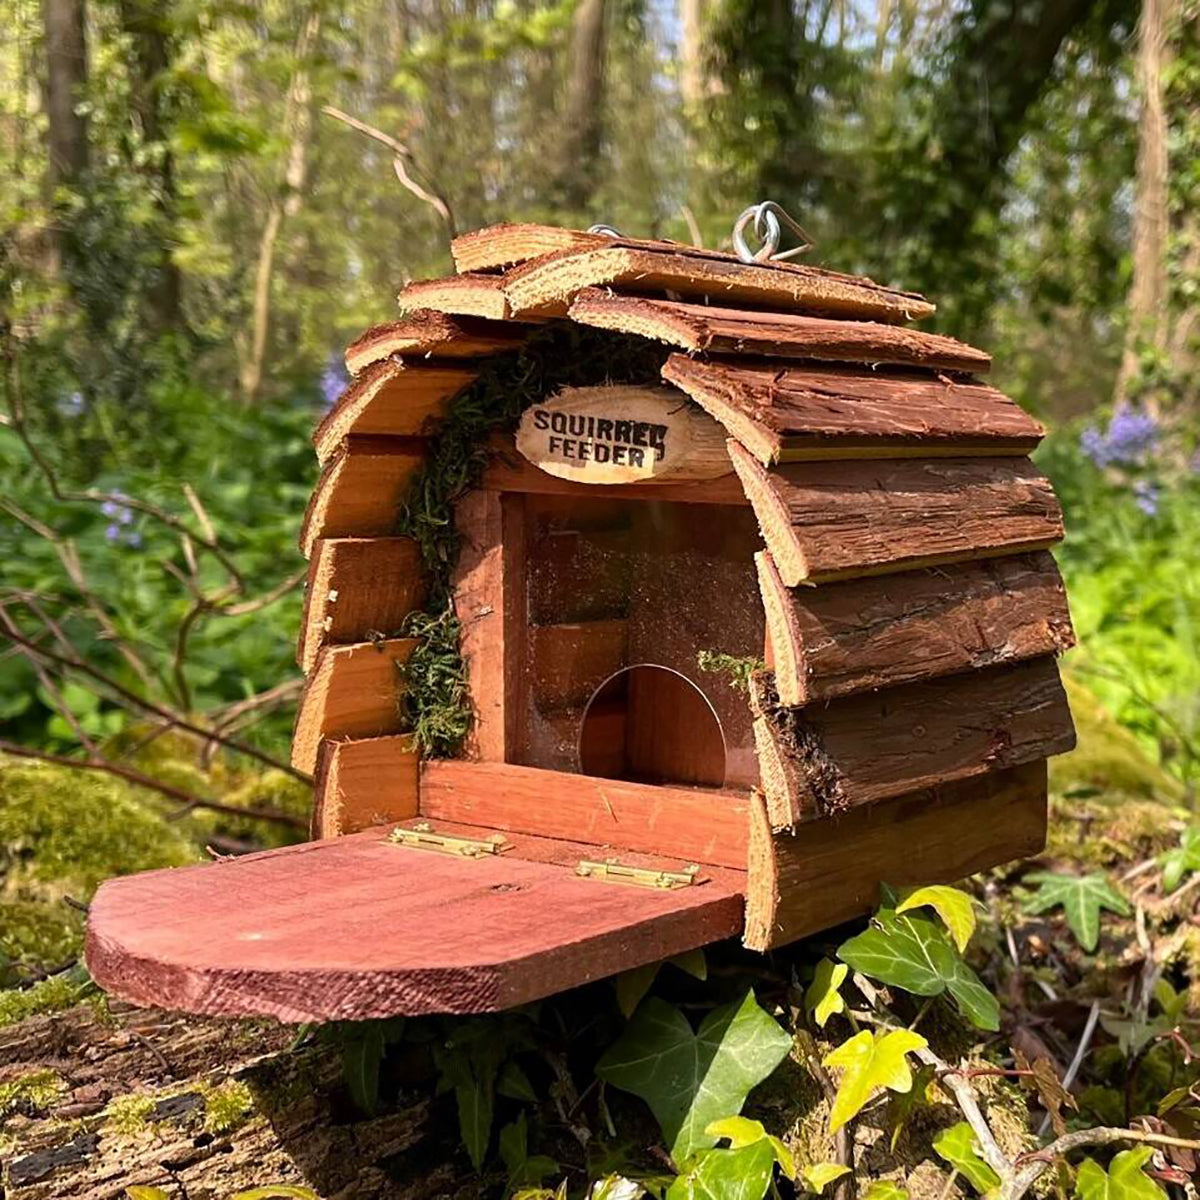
[797, 477]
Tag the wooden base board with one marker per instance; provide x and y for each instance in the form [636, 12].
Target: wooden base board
[829, 871]
[356, 928]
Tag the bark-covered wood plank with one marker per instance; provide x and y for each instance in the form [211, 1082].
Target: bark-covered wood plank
[685, 823]
[459, 295]
[509, 244]
[715, 330]
[355, 928]
[865, 748]
[546, 286]
[837, 520]
[830, 871]
[425, 333]
[780, 412]
[352, 692]
[390, 399]
[360, 489]
[358, 587]
[364, 782]
[886, 630]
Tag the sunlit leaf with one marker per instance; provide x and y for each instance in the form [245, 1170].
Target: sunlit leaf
[822, 997]
[914, 953]
[959, 1147]
[279, 1191]
[616, 1187]
[819, 1175]
[741, 1131]
[1181, 860]
[1124, 1179]
[137, 1191]
[743, 1174]
[870, 1061]
[883, 1189]
[692, 1078]
[955, 907]
[1081, 897]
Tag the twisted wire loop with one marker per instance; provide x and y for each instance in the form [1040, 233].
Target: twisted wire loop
[607, 230]
[769, 220]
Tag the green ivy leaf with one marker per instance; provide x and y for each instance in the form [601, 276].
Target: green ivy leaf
[822, 998]
[743, 1174]
[137, 1191]
[871, 1061]
[883, 1189]
[281, 1191]
[903, 1104]
[362, 1053]
[959, 1147]
[614, 1187]
[475, 1103]
[633, 985]
[1124, 1179]
[914, 953]
[1182, 860]
[818, 1176]
[741, 1131]
[955, 907]
[514, 1083]
[691, 962]
[1082, 897]
[690, 1079]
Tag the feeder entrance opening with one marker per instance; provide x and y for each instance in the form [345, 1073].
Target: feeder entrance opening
[652, 725]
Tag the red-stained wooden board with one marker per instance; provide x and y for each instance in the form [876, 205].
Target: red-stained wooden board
[355, 928]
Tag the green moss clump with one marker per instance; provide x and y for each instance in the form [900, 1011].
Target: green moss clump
[738, 670]
[129, 1115]
[35, 1091]
[50, 995]
[38, 933]
[434, 698]
[227, 1106]
[269, 789]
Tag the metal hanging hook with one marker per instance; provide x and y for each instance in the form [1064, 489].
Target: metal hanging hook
[769, 221]
[607, 230]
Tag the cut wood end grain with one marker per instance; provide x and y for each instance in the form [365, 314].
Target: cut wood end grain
[352, 692]
[364, 782]
[460, 295]
[505, 245]
[390, 399]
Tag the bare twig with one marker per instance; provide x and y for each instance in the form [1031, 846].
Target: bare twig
[403, 164]
[136, 777]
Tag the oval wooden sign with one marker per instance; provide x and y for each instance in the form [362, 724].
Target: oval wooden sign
[622, 434]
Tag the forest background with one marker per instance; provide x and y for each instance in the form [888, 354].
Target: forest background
[190, 233]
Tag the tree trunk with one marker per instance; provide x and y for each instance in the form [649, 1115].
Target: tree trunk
[1147, 304]
[145, 24]
[693, 85]
[580, 151]
[64, 25]
[298, 119]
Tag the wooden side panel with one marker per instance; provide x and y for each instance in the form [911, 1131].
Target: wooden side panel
[549, 284]
[357, 587]
[885, 630]
[569, 662]
[716, 330]
[351, 693]
[829, 871]
[361, 489]
[364, 782]
[789, 412]
[825, 521]
[872, 746]
[390, 399]
[696, 826]
[356, 928]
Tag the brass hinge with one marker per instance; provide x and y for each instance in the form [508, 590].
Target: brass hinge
[422, 837]
[611, 871]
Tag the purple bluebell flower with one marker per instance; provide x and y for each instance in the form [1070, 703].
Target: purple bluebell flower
[133, 539]
[120, 514]
[71, 405]
[112, 532]
[1131, 434]
[1146, 496]
[333, 380]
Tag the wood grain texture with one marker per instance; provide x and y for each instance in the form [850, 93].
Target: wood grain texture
[683, 823]
[868, 747]
[885, 630]
[782, 412]
[489, 594]
[459, 295]
[510, 471]
[825, 521]
[425, 333]
[356, 928]
[352, 692]
[829, 871]
[390, 399]
[361, 489]
[549, 284]
[714, 330]
[569, 662]
[356, 587]
[506, 245]
[364, 782]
